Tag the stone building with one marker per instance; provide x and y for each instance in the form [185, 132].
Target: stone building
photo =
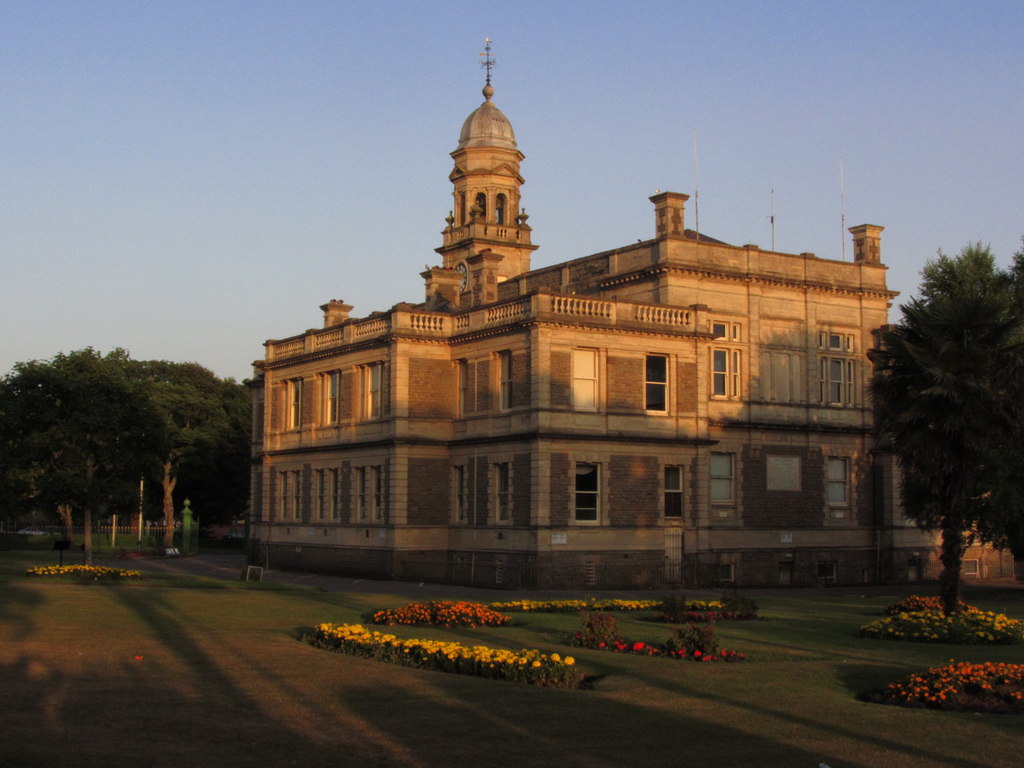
[676, 411]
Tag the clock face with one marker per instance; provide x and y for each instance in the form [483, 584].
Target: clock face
[463, 273]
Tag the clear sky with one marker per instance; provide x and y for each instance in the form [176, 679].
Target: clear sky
[188, 179]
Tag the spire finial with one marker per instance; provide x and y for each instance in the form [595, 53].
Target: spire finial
[487, 63]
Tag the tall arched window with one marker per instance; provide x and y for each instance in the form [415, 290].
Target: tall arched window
[460, 214]
[499, 209]
[481, 205]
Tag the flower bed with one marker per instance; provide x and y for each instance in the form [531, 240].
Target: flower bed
[969, 627]
[524, 666]
[915, 603]
[445, 613]
[965, 687]
[600, 631]
[84, 572]
[571, 606]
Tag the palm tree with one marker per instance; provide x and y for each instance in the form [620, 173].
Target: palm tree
[947, 393]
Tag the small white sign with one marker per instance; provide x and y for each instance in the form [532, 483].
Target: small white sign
[558, 537]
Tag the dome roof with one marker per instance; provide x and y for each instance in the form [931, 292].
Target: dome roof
[487, 126]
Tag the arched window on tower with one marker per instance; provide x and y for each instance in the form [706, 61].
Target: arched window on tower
[499, 209]
[460, 214]
[481, 205]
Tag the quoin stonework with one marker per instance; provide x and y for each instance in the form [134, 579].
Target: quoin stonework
[676, 411]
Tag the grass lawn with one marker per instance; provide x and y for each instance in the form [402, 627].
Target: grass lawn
[180, 672]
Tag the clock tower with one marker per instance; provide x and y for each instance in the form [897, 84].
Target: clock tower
[487, 239]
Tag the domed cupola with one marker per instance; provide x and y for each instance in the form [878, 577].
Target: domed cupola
[487, 126]
[487, 239]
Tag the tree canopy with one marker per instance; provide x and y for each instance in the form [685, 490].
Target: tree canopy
[78, 431]
[949, 396]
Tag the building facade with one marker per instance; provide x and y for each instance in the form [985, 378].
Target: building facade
[677, 411]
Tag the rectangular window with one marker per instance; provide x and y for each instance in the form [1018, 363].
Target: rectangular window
[838, 479]
[460, 493]
[293, 418]
[840, 342]
[584, 379]
[725, 373]
[377, 484]
[373, 392]
[722, 477]
[656, 383]
[297, 494]
[330, 411]
[674, 492]
[321, 494]
[972, 567]
[363, 497]
[587, 487]
[835, 381]
[782, 473]
[726, 573]
[505, 381]
[336, 494]
[285, 495]
[725, 330]
[502, 492]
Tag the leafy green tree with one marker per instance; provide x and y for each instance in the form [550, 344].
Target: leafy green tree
[215, 475]
[77, 432]
[199, 414]
[948, 394]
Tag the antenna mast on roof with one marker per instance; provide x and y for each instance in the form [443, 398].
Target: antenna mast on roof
[488, 61]
[696, 187]
[842, 208]
[772, 218]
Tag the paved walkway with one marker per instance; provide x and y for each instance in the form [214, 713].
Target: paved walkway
[229, 567]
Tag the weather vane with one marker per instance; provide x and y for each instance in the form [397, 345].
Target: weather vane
[488, 60]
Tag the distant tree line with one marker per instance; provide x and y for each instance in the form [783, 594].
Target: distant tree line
[78, 433]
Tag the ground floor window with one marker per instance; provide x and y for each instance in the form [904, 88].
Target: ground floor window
[588, 491]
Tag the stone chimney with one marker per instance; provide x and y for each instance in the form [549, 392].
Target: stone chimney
[335, 312]
[668, 214]
[867, 244]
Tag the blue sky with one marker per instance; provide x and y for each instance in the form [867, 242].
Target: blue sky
[188, 179]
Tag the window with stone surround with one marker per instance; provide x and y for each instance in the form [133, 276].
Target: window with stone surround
[584, 379]
[838, 485]
[504, 380]
[725, 373]
[836, 381]
[373, 390]
[501, 474]
[673, 492]
[587, 493]
[656, 383]
[330, 398]
[722, 471]
[369, 493]
[293, 404]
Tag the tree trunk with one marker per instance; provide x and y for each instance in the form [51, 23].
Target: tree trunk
[87, 535]
[64, 513]
[169, 481]
[954, 544]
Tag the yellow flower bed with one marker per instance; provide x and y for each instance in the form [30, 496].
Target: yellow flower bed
[968, 627]
[84, 572]
[524, 666]
[445, 613]
[567, 606]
